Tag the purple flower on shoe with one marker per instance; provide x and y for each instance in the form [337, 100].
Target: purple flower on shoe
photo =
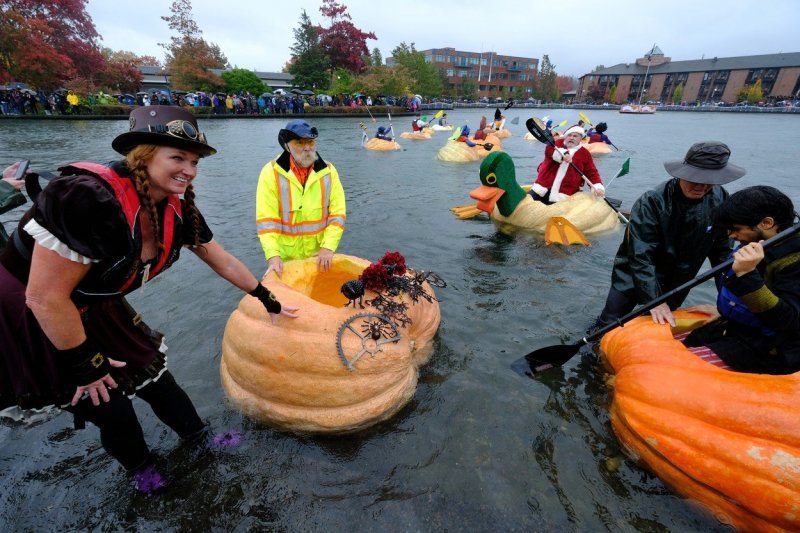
[149, 480]
[227, 439]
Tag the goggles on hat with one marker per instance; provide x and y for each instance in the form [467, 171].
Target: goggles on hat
[181, 129]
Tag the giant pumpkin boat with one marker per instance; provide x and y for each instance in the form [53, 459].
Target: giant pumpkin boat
[727, 440]
[511, 209]
[334, 369]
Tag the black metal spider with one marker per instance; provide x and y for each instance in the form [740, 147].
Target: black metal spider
[376, 329]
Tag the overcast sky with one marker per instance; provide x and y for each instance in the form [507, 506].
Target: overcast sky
[577, 35]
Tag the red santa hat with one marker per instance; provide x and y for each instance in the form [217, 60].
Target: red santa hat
[575, 129]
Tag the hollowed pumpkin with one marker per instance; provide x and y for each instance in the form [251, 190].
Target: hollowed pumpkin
[292, 376]
[728, 440]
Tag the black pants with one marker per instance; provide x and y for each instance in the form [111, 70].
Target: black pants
[120, 431]
[618, 304]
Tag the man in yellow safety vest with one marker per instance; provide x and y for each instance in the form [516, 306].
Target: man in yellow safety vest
[300, 203]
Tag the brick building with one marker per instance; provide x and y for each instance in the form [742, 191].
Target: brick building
[483, 74]
[704, 80]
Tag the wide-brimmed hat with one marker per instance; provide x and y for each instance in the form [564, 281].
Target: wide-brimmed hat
[162, 125]
[296, 129]
[707, 163]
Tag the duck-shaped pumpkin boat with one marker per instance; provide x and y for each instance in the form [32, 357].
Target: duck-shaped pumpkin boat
[459, 152]
[439, 127]
[512, 209]
[727, 440]
[334, 369]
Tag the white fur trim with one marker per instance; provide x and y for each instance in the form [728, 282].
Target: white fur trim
[539, 189]
[47, 240]
[575, 129]
[558, 196]
[599, 187]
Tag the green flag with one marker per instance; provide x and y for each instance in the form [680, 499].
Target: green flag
[626, 167]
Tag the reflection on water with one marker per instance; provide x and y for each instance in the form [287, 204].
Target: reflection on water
[478, 447]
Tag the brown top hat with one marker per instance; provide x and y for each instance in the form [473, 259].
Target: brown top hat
[706, 162]
[163, 125]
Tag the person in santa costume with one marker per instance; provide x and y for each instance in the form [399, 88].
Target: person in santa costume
[565, 168]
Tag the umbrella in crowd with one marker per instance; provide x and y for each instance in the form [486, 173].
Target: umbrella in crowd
[296, 91]
[307, 93]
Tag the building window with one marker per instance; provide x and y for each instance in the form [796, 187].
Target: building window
[439, 58]
[450, 73]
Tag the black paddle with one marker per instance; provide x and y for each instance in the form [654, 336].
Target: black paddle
[552, 356]
[543, 135]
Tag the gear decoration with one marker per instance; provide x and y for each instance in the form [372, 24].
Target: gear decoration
[372, 330]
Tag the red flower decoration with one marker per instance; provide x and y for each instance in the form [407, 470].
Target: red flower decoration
[375, 277]
[397, 260]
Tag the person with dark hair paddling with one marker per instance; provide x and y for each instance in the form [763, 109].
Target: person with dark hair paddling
[671, 234]
[94, 234]
[384, 133]
[598, 134]
[755, 325]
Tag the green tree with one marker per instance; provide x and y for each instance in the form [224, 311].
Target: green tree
[309, 64]
[384, 80]
[189, 57]
[544, 87]
[677, 96]
[376, 59]
[239, 79]
[426, 80]
[612, 94]
[342, 82]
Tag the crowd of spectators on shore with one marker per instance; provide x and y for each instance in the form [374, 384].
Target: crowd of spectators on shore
[18, 100]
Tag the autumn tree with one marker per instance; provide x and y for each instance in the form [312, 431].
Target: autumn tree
[595, 93]
[612, 94]
[48, 42]
[677, 96]
[344, 44]
[384, 80]
[565, 83]
[309, 65]
[189, 57]
[544, 87]
[121, 73]
[239, 79]
[426, 80]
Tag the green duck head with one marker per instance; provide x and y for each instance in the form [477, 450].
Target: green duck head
[498, 185]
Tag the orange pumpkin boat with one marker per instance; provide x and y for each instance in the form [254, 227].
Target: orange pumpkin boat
[725, 439]
[325, 371]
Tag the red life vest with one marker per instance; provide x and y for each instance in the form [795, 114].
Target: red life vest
[128, 198]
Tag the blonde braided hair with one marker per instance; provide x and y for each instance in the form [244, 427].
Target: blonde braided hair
[137, 160]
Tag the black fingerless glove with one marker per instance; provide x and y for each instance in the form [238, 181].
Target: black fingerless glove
[86, 362]
[267, 299]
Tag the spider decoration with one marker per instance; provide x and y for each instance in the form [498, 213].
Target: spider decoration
[371, 330]
[353, 290]
[396, 311]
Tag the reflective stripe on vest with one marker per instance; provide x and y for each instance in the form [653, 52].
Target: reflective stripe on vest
[128, 198]
[285, 226]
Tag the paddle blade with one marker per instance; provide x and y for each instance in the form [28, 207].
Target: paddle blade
[545, 358]
[439, 114]
[456, 134]
[559, 230]
[515, 120]
[562, 123]
[538, 130]
[584, 118]
[626, 167]
[509, 104]
[488, 146]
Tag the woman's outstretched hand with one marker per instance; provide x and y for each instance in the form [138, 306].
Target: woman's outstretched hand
[98, 389]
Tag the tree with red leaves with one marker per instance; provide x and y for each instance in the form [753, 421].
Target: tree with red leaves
[45, 43]
[343, 43]
[122, 72]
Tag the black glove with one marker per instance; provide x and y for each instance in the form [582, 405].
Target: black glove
[267, 299]
[86, 362]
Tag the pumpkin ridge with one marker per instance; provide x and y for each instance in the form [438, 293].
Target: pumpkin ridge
[766, 496]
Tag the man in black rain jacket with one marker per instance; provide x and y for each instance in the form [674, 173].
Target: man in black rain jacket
[671, 233]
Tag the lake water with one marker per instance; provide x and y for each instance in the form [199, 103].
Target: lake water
[478, 447]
